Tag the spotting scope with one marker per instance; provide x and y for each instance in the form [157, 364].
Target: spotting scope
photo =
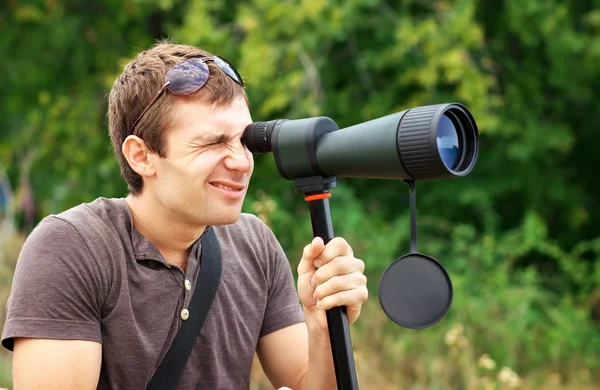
[422, 143]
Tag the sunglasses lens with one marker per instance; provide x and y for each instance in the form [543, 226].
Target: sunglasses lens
[229, 69]
[187, 77]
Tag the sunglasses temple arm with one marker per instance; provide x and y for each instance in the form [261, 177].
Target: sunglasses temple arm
[133, 128]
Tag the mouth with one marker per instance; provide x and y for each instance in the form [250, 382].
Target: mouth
[228, 186]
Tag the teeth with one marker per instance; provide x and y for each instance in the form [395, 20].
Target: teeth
[225, 187]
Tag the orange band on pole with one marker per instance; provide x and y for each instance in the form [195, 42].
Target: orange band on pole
[310, 198]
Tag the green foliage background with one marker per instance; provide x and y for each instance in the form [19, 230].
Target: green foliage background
[519, 236]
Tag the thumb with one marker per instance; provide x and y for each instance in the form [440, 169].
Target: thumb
[310, 252]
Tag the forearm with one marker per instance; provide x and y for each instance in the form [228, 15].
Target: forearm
[320, 373]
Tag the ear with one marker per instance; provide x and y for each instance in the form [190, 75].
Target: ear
[138, 156]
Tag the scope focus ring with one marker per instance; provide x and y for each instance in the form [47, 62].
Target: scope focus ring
[414, 143]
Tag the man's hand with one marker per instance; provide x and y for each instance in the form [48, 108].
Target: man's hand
[330, 276]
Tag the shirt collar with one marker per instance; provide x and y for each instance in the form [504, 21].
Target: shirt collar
[145, 250]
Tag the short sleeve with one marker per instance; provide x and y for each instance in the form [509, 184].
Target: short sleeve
[55, 289]
[283, 305]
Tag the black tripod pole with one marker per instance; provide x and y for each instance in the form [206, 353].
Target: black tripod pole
[337, 320]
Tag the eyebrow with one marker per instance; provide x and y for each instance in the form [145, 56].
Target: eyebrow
[210, 138]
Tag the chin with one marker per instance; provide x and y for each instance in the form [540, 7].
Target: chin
[225, 219]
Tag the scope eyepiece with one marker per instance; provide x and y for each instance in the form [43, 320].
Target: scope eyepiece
[257, 136]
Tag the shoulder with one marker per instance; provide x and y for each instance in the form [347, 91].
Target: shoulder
[102, 212]
[98, 223]
[82, 242]
[89, 229]
[51, 234]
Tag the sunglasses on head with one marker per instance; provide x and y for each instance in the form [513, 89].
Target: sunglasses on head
[189, 76]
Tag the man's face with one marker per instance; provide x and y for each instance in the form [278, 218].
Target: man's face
[204, 177]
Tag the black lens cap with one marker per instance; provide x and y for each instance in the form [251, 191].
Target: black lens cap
[415, 291]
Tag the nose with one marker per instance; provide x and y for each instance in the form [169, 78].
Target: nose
[239, 158]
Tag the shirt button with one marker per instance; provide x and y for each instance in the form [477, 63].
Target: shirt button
[185, 314]
[188, 285]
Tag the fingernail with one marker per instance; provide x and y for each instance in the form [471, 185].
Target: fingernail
[318, 263]
[313, 282]
[319, 304]
[315, 296]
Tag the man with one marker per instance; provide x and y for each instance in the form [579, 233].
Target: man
[100, 290]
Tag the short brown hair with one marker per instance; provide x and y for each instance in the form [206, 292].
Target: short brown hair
[141, 79]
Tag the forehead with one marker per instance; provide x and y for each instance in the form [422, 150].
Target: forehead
[195, 118]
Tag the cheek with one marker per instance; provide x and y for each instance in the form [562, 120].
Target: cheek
[250, 159]
[203, 165]
[180, 172]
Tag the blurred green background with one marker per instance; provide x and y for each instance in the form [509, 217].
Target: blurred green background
[520, 236]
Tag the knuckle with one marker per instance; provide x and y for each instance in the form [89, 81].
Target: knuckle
[361, 265]
[364, 294]
[336, 263]
[336, 245]
[361, 279]
[341, 265]
[334, 283]
[340, 241]
[350, 264]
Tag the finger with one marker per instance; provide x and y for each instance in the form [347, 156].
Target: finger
[306, 291]
[352, 299]
[340, 283]
[342, 265]
[309, 253]
[334, 248]
[313, 249]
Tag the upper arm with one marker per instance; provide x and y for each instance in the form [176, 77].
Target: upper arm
[53, 320]
[57, 290]
[56, 364]
[283, 355]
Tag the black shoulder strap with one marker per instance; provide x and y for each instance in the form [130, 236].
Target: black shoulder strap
[170, 369]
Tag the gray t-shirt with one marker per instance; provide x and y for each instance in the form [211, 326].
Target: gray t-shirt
[87, 274]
